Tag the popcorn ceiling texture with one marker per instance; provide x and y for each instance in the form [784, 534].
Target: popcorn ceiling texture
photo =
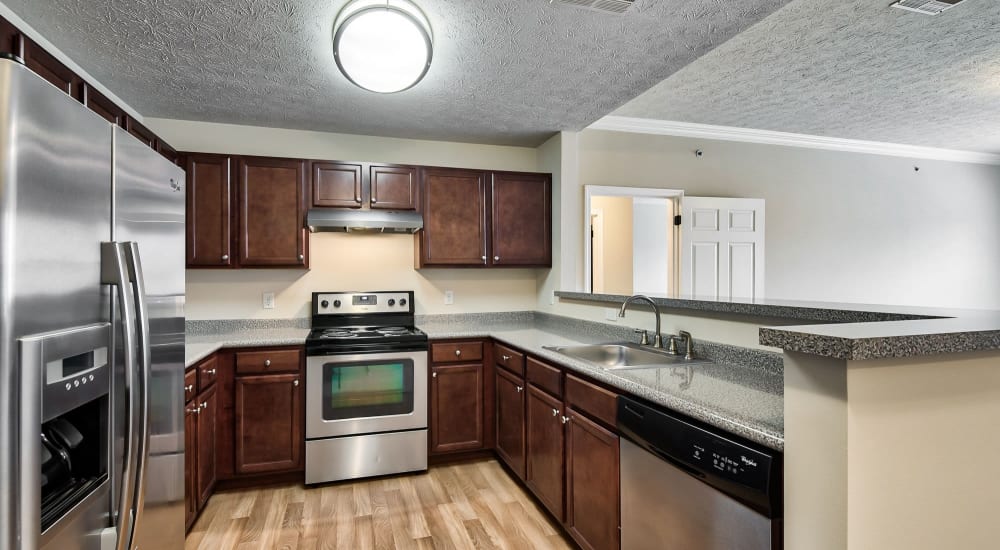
[506, 72]
[853, 69]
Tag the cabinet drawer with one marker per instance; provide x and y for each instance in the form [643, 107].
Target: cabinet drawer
[190, 384]
[597, 402]
[509, 359]
[453, 352]
[208, 371]
[545, 377]
[266, 362]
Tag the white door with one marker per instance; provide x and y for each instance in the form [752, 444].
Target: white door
[722, 247]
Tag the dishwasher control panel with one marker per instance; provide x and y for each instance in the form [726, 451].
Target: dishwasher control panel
[724, 458]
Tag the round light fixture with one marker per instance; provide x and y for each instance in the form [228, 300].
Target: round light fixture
[383, 46]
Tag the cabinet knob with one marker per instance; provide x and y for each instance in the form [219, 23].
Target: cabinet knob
[496, 258]
[196, 410]
[434, 375]
[204, 405]
[210, 372]
[302, 257]
[565, 419]
[484, 259]
[267, 362]
[555, 412]
[458, 352]
[520, 389]
[189, 388]
[225, 257]
[374, 200]
[295, 383]
[505, 357]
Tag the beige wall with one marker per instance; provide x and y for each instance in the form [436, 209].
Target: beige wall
[617, 265]
[350, 262]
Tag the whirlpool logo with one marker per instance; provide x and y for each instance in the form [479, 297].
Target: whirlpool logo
[747, 461]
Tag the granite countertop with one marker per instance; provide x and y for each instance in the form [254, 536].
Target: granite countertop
[743, 399]
[848, 331]
[204, 338]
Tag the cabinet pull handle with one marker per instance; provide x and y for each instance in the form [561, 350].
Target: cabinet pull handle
[225, 257]
[506, 357]
[555, 412]
[434, 375]
[565, 419]
[295, 383]
[520, 389]
[496, 258]
[267, 362]
[210, 372]
[458, 352]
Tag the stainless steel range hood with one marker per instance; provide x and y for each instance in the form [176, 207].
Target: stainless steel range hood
[366, 221]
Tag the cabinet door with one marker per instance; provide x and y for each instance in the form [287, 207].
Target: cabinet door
[51, 69]
[209, 195]
[168, 152]
[10, 38]
[100, 104]
[510, 420]
[272, 212]
[454, 207]
[336, 184]
[191, 495]
[592, 487]
[522, 220]
[545, 469]
[268, 412]
[456, 408]
[209, 408]
[394, 187]
[140, 132]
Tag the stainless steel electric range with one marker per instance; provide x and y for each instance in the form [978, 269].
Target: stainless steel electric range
[366, 387]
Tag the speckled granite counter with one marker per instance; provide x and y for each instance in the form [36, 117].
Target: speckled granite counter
[741, 392]
[848, 331]
[206, 337]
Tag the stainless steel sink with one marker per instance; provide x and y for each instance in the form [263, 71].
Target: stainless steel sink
[622, 355]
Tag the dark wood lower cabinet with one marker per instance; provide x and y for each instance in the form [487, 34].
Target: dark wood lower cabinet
[510, 420]
[269, 436]
[544, 466]
[190, 463]
[456, 397]
[206, 420]
[592, 483]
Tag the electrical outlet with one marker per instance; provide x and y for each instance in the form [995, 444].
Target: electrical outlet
[267, 300]
[449, 297]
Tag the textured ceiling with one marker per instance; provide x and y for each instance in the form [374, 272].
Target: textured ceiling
[850, 69]
[504, 71]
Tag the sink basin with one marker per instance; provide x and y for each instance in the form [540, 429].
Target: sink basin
[622, 356]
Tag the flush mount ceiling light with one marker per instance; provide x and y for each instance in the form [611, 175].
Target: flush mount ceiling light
[384, 46]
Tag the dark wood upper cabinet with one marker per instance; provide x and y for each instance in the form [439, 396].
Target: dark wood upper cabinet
[393, 187]
[269, 415]
[454, 209]
[544, 456]
[522, 219]
[11, 40]
[168, 152]
[510, 420]
[100, 104]
[336, 184]
[592, 485]
[456, 410]
[209, 196]
[207, 413]
[140, 132]
[51, 69]
[271, 215]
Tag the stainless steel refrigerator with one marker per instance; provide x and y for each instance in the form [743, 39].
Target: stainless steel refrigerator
[91, 329]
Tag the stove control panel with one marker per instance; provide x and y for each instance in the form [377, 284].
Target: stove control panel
[355, 303]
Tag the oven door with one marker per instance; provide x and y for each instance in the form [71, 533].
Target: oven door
[365, 393]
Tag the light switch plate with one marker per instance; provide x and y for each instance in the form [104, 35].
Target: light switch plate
[267, 300]
[449, 297]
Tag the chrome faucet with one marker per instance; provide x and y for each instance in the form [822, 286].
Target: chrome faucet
[689, 345]
[657, 339]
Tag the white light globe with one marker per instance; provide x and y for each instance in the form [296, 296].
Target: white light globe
[382, 46]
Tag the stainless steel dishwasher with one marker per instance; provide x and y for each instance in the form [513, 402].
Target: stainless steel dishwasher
[686, 486]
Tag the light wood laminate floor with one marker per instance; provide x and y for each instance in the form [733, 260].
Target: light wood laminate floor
[468, 505]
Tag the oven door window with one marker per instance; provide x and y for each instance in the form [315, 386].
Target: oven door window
[367, 389]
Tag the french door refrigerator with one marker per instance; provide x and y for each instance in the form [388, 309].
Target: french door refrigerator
[91, 329]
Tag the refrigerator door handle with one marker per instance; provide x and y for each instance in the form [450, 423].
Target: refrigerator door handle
[114, 271]
[143, 378]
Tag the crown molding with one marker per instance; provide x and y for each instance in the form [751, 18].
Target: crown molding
[769, 137]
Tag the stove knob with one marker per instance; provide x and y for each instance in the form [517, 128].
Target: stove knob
[402, 302]
[392, 302]
[324, 303]
[336, 303]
